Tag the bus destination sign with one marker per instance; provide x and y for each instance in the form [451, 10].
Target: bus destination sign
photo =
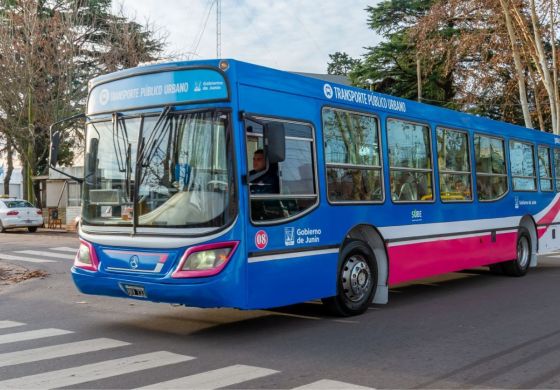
[156, 89]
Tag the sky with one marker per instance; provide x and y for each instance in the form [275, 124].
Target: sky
[293, 35]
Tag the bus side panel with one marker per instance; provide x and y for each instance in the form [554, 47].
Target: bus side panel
[549, 238]
[423, 259]
[288, 281]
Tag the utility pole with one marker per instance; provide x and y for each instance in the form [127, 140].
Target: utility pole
[218, 28]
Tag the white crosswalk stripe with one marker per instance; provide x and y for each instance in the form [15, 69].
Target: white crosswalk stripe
[57, 351]
[96, 371]
[214, 379]
[10, 324]
[326, 384]
[47, 254]
[31, 335]
[64, 249]
[26, 259]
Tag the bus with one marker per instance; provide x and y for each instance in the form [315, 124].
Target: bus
[221, 183]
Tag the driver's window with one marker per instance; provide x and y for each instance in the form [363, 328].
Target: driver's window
[285, 189]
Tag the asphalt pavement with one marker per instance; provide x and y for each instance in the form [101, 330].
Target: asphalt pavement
[468, 329]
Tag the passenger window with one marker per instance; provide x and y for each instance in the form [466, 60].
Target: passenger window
[410, 161]
[285, 189]
[352, 156]
[491, 171]
[454, 165]
[545, 169]
[557, 168]
[522, 160]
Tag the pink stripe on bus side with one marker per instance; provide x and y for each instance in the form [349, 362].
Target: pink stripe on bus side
[424, 259]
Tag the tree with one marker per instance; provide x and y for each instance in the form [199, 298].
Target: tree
[48, 52]
[393, 65]
[341, 64]
[503, 56]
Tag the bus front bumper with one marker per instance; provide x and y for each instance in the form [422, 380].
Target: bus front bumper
[216, 292]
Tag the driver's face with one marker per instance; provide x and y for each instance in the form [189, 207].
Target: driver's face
[258, 162]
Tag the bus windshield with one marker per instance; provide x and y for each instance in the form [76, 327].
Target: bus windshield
[168, 170]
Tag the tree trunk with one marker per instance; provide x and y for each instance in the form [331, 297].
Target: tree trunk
[554, 63]
[518, 66]
[548, 83]
[9, 168]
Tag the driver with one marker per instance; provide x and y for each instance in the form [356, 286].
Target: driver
[263, 182]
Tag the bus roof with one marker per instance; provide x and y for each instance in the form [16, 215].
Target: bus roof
[336, 94]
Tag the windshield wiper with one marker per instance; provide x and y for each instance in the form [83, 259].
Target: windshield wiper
[153, 141]
[120, 141]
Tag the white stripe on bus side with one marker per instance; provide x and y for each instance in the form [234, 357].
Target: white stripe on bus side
[292, 255]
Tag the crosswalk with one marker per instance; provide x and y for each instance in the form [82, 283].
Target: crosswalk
[229, 376]
[50, 255]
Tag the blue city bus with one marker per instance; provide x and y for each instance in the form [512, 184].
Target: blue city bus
[225, 184]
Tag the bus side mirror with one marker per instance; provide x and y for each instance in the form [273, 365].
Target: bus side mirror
[55, 143]
[274, 142]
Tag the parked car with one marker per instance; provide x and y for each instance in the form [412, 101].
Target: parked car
[18, 213]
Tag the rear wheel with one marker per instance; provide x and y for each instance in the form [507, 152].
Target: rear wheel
[2, 228]
[32, 229]
[520, 265]
[356, 280]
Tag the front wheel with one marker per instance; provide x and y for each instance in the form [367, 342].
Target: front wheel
[520, 265]
[356, 280]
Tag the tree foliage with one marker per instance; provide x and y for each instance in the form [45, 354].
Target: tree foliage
[341, 63]
[48, 52]
[497, 58]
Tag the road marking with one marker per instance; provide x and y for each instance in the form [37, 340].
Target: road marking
[47, 254]
[214, 379]
[32, 335]
[328, 384]
[96, 371]
[56, 351]
[64, 249]
[19, 258]
[10, 324]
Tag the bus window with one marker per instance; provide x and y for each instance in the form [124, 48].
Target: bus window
[522, 159]
[557, 168]
[454, 165]
[491, 171]
[410, 161]
[545, 169]
[352, 157]
[285, 189]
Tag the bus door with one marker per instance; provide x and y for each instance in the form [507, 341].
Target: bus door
[283, 231]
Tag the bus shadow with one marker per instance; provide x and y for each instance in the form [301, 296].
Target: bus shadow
[227, 323]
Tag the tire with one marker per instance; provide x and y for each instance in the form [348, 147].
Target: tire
[356, 280]
[32, 229]
[2, 229]
[520, 265]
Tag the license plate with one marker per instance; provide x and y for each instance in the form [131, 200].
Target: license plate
[135, 291]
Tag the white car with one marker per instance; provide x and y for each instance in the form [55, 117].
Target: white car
[18, 213]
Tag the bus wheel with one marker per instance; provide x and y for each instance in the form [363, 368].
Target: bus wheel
[356, 280]
[520, 265]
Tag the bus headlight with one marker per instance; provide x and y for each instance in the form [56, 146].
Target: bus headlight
[86, 257]
[205, 260]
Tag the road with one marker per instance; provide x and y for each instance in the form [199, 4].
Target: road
[469, 329]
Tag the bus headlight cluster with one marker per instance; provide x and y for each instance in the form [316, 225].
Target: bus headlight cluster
[205, 260]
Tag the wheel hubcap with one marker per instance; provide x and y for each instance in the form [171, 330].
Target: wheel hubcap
[356, 278]
[523, 252]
